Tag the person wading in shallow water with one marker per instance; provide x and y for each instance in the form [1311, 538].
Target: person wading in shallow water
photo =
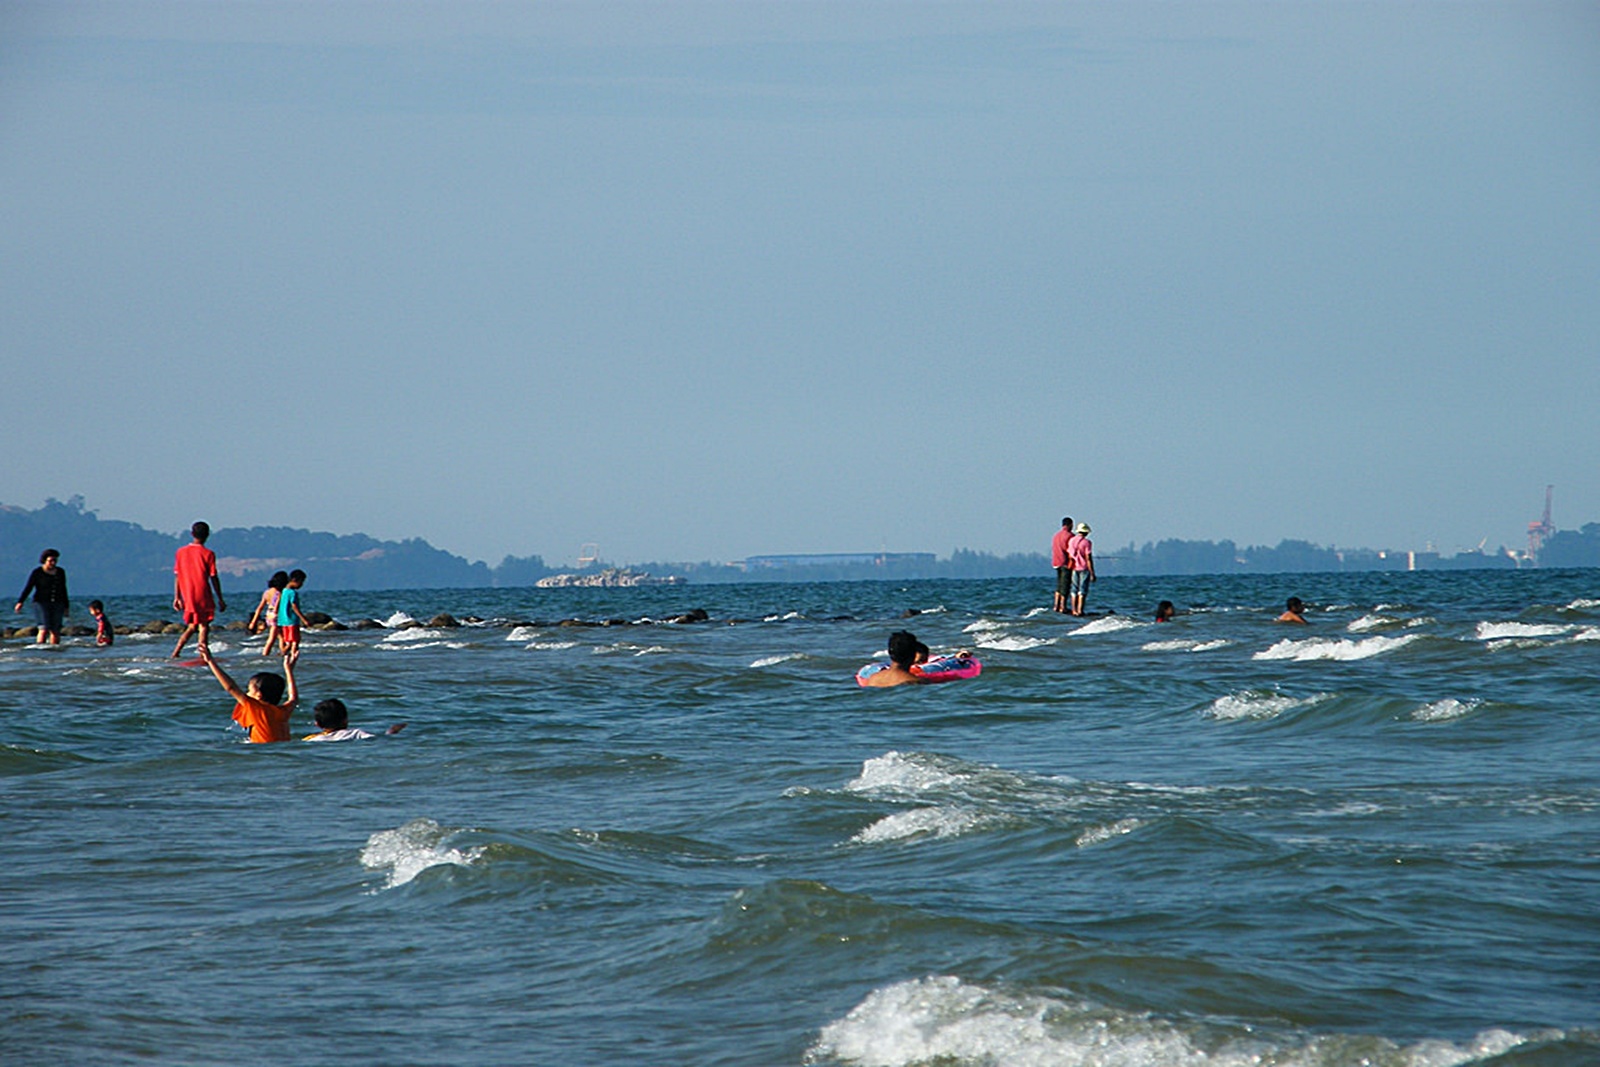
[1062, 562]
[48, 584]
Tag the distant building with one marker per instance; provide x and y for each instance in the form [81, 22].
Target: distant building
[837, 559]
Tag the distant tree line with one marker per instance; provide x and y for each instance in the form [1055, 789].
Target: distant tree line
[106, 557]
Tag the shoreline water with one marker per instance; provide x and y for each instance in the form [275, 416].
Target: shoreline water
[1196, 842]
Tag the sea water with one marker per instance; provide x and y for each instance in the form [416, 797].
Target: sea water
[1222, 840]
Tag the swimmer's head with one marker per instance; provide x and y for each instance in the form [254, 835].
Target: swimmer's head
[266, 686]
[331, 714]
[903, 647]
[1295, 605]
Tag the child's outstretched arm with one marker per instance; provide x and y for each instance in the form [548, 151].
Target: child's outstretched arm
[221, 675]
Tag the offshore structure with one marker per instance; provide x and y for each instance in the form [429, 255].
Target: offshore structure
[1538, 531]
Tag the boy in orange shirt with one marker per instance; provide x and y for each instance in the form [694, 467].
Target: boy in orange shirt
[259, 709]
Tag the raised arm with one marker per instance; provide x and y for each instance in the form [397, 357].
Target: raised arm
[227, 683]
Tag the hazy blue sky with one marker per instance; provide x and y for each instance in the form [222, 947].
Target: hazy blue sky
[697, 281]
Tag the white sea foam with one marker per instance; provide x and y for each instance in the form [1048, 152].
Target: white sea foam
[1186, 646]
[1588, 633]
[400, 637]
[399, 618]
[773, 661]
[942, 1019]
[436, 644]
[981, 626]
[1495, 631]
[1367, 623]
[1013, 642]
[1252, 704]
[1109, 625]
[1034, 613]
[549, 646]
[1096, 835]
[523, 633]
[1329, 648]
[1582, 604]
[923, 822]
[896, 773]
[411, 849]
[782, 618]
[1441, 710]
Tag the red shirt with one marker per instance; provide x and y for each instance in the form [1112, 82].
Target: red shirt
[195, 565]
[1058, 548]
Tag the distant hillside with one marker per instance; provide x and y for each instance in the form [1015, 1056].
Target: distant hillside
[107, 557]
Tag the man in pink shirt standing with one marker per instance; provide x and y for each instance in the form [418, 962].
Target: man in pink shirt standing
[194, 571]
[1062, 562]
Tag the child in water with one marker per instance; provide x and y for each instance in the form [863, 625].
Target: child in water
[290, 618]
[102, 625]
[266, 613]
[265, 703]
[333, 723]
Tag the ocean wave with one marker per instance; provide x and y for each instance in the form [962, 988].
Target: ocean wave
[398, 619]
[1318, 648]
[1013, 642]
[1442, 710]
[407, 851]
[896, 773]
[942, 1019]
[549, 646]
[1495, 631]
[1109, 625]
[1368, 623]
[417, 634]
[773, 661]
[950, 821]
[1186, 646]
[1097, 835]
[523, 633]
[1588, 633]
[787, 617]
[1582, 604]
[1253, 704]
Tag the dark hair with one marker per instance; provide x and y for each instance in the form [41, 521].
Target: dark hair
[200, 531]
[297, 574]
[331, 714]
[1165, 609]
[49, 553]
[1067, 521]
[903, 648]
[279, 580]
[95, 605]
[1295, 605]
[269, 685]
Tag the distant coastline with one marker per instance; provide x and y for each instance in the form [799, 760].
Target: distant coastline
[110, 557]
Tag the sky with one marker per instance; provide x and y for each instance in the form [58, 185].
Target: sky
[698, 281]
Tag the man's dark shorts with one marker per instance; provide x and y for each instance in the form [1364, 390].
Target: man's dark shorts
[1064, 581]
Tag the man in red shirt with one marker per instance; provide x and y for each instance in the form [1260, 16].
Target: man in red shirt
[194, 573]
[1062, 562]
